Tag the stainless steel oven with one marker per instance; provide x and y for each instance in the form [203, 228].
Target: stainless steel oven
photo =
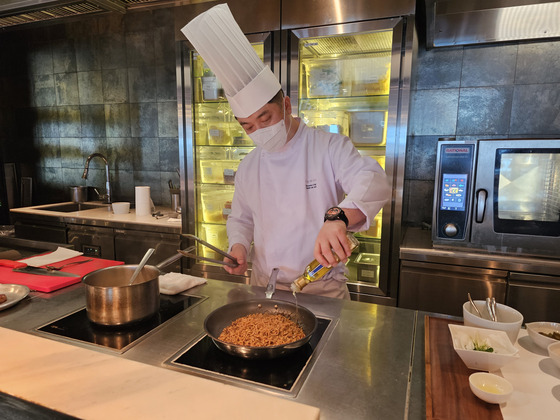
[500, 196]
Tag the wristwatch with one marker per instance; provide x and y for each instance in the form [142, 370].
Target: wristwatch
[336, 213]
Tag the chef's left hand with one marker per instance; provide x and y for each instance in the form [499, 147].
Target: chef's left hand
[332, 237]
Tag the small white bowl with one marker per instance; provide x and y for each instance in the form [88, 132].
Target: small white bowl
[464, 337]
[490, 388]
[121, 207]
[534, 328]
[554, 353]
[509, 320]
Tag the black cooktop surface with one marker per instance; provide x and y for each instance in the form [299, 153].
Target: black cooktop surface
[281, 373]
[76, 326]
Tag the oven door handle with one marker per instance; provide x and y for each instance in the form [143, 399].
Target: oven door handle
[481, 196]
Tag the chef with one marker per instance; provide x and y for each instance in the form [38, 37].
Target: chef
[300, 190]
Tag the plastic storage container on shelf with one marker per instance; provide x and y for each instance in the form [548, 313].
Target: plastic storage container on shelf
[326, 77]
[368, 267]
[218, 133]
[371, 75]
[368, 128]
[218, 171]
[329, 121]
[238, 135]
[216, 205]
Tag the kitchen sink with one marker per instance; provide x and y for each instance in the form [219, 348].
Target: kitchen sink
[70, 207]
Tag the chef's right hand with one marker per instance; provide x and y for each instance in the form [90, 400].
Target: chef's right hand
[240, 253]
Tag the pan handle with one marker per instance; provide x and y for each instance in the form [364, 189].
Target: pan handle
[189, 252]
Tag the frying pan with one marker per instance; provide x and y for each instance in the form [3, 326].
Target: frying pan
[222, 317]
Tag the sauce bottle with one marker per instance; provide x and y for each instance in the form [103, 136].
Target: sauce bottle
[314, 271]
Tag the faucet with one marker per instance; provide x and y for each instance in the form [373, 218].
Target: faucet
[86, 169]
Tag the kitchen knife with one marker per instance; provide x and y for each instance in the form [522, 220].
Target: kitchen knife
[21, 267]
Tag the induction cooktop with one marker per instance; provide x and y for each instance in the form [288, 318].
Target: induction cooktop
[77, 327]
[284, 374]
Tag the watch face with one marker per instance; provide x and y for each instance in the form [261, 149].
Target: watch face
[332, 212]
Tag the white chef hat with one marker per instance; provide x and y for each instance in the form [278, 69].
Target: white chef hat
[247, 82]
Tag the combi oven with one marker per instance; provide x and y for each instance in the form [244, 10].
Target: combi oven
[500, 196]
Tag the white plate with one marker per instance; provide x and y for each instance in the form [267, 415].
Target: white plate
[14, 293]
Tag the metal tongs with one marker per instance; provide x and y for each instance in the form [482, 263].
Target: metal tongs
[271, 287]
[190, 252]
[491, 306]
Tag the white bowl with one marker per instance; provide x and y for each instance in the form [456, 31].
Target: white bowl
[121, 208]
[490, 388]
[509, 320]
[463, 342]
[534, 328]
[554, 353]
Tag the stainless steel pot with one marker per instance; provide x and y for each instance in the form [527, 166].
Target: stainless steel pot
[110, 300]
[222, 317]
[79, 194]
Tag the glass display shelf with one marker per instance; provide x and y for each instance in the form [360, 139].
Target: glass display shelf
[346, 103]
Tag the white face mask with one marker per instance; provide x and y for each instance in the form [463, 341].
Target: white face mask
[273, 137]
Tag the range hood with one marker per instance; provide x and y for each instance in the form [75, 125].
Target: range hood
[465, 22]
[20, 12]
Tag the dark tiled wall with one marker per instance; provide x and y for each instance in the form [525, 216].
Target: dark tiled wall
[487, 91]
[102, 84]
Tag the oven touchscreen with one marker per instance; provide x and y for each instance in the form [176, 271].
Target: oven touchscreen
[453, 189]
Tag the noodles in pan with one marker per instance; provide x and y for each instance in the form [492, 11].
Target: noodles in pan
[262, 330]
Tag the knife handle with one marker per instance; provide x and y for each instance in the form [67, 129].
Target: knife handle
[12, 264]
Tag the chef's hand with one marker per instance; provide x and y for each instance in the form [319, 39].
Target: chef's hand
[332, 237]
[240, 253]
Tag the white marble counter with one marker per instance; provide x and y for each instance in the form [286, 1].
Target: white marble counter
[91, 385]
[103, 215]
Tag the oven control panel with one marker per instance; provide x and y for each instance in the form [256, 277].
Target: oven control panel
[454, 179]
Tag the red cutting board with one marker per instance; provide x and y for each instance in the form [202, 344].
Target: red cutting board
[51, 283]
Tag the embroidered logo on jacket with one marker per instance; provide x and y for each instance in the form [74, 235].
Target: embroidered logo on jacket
[311, 183]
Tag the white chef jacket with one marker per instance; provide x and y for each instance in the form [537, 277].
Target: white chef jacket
[280, 200]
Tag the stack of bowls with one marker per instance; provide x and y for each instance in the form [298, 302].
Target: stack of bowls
[509, 319]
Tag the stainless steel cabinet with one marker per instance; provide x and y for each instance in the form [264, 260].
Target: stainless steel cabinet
[131, 245]
[443, 288]
[535, 296]
[92, 240]
[39, 231]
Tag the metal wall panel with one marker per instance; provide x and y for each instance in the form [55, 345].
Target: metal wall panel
[451, 22]
[306, 13]
[264, 16]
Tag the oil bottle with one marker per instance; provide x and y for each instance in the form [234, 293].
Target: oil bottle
[314, 271]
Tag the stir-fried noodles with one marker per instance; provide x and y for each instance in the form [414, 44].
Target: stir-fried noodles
[262, 330]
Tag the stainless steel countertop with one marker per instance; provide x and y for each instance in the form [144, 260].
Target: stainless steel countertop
[369, 362]
[417, 246]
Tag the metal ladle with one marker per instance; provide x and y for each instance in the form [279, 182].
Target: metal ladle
[147, 256]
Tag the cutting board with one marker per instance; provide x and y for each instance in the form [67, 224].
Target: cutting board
[52, 283]
[448, 394]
